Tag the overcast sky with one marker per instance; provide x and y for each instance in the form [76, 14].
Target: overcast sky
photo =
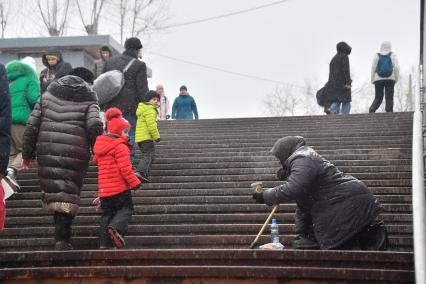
[289, 42]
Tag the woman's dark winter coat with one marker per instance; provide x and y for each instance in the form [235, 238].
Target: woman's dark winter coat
[338, 205]
[5, 120]
[59, 70]
[136, 83]
[60, 132]
[339, 75]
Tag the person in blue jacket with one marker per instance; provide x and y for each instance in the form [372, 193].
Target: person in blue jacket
[184, 106]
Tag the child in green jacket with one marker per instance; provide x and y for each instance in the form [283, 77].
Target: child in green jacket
[24, 88]
[146, 133]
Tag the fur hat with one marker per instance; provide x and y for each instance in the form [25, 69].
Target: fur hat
[132, 43]
[115, 121]
[152, 94]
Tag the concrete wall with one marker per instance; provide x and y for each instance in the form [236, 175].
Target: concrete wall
[75, 58]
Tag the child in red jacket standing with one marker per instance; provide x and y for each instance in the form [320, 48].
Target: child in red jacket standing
[115, 179]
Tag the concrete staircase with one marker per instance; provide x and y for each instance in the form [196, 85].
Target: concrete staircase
[196, 219]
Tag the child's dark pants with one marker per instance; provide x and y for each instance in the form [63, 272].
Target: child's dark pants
[148, 150]
[117, 212]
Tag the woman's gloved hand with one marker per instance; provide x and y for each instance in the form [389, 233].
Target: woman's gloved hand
[258, 196]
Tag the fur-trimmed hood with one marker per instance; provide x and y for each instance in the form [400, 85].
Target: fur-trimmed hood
[72, 88]
[16, 69]
[51, 52]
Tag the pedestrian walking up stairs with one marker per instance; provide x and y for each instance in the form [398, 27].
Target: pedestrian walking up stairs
[195, 221]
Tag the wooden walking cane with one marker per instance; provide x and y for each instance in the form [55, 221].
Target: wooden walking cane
[264, 226]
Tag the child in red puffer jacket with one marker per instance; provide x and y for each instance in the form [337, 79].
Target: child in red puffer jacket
[115, 179]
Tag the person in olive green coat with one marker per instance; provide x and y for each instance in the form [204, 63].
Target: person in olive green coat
[24, 88]
[146, 133]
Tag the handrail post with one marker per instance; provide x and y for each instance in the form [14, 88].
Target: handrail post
[418, 190]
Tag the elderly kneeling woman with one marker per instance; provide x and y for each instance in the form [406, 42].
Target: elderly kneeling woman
[334, 209]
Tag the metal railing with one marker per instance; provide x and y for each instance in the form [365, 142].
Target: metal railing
[418, 190]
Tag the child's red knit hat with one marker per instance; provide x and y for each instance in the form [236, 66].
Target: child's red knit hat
[115, 121]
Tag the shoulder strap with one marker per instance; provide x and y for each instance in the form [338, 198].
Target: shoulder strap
[128, 65]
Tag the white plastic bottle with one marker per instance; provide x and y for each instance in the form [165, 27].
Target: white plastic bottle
[275, 235]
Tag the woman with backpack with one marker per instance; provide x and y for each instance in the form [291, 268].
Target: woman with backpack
[384, 75]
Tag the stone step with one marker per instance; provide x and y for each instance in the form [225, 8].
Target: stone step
[396, 243]
[217, 142]
[224, 170]
[217, 265]
[345, 165]
[197, 208]
[262, 131]
[225, 199]
[91, 191]
[262, 157]
[313, 137]
[403, 260]
[257, 156]
[236, 218]
[176, 229]
[260, 162]
[280, 124]
[377, 117]
[386, 179]
[392, 185]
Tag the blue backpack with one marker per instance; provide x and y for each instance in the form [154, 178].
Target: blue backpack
[384, 67]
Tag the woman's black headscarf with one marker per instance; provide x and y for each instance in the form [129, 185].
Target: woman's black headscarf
[286, 146]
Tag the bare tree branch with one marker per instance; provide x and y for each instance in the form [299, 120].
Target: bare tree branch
[123, 9]
[50, 14]
[95, 12]
[288, 100]
[80, 12]
[282, 101]
[139, 16]
[4, 16]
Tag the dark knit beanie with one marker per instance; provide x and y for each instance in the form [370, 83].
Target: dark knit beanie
[132, 43]
[83, 73]
[183, 87]
[151, 94]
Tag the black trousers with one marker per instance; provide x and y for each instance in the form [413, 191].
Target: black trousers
[117, 212]
[63, 222]
[383, 88]
[148, 153]
[303, 220]
[373, 237]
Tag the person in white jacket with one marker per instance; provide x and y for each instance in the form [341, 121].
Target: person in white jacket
[384, 75]
[164, 111]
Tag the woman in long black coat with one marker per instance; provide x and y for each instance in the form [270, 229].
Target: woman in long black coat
[334, 210]
[339, 81]
[60, 132]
